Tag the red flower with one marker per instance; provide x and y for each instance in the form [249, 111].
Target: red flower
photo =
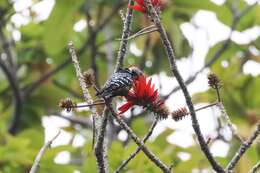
[143, 94]
[140, 6]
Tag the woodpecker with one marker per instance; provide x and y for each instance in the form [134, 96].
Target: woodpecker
[119, 83]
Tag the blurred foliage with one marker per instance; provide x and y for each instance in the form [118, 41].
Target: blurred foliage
[42, 46]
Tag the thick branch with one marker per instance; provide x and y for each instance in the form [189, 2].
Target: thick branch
[100, 148]
[102, 164]
[243, 148]
[171, 58]
[38, 158]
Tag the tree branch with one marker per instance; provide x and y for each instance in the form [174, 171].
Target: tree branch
[102, 164]
[171, 58]
[125, 35]
[243, 148]
[100, 148]
[132, 155]
[38, 158]
[17, 97]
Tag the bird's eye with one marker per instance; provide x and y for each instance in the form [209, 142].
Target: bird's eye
[134, 73]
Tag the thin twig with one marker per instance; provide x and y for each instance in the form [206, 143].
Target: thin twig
[182, 112]
[132, 155]
[143, 31]
[125, 35]
[205, 107]
[218, 94]
[243, 148]
[229, 123]
[36, 163]
[255, 168]
[140, 143]
[88, 105]
[171, 57]
[102, 161]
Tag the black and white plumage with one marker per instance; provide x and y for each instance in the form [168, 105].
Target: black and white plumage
[119, 83]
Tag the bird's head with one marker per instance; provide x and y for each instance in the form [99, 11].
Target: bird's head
[135, 71]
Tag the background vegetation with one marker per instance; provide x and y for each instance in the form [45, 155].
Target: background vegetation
[36, 72]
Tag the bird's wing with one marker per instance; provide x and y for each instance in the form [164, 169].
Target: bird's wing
[116, 82]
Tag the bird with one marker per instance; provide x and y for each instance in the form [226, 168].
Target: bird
[119, 82]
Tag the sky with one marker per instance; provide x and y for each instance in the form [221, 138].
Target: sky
[202, 31]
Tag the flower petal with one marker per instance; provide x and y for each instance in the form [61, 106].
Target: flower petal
[125, 107]
[148, 87]
[151, 92]
[155, 2]
[140, 2]
[154, 96]
[137, 8]
[142, 86]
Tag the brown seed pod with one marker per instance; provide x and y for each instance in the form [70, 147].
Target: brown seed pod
[179, 114]
[214, 81]
[66, 104]
[89, 77]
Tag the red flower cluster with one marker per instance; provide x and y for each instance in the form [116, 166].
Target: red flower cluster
[140, 6]
[143, 94]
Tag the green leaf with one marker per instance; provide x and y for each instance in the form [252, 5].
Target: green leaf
[195, 5]
[253, 99]
[59, 26]
[139, 127]
[190, 7]
[32, 30]
[37, 136]
[3, 3]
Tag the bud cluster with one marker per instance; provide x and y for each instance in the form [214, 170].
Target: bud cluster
[66, 104]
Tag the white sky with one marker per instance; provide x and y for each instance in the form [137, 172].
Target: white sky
[208, 32]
